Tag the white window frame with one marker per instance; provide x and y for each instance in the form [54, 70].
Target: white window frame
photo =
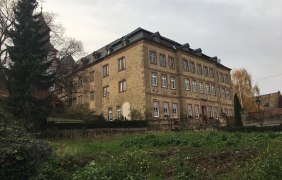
[172, 82]
[119, 114]
[227, 93]
[194, 84]
[110, 114]
[187, 84]
[122, 86]
[105, 91]
[154, 79]
[121, 64]
[106, 70]
[156, 109]
[166, 109]
[197, 111]
[174, 110]
[162, 60]
[201, 84]
[164, 80]
[153, 57]
[223, 95]
[189, 111]
[207, 88]
[171, 62]
[210, 111]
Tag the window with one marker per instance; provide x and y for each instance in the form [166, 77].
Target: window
[166, 110]
[210, 112]
[106, 91]
[162, 60]
[223, 93]
[187, 84]
[221, 77]
[171, 62]
[91, 76]
[91, 95]
[164, 81]
[79, 100]
[119, 115]
[227, 93]
[211, 73]
[199, 69]
[215, 111]
[154, 80]
[226, 111]
[153, 57]
[174, 111]
[172, 82]
[201, 87]
[213, 89]
[156, 109]
[121, 63]
[194, 84]
[192, 66]
[206, 71]
[207, 88]
[110, 114]
[196, 110]
[189, 111]
[122, 86]
[105, 70]
[185, 65]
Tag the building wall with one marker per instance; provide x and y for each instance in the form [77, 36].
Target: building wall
[133, 74]
[180, 95]
[140, 94]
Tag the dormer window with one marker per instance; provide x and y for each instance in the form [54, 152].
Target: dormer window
[109, 49]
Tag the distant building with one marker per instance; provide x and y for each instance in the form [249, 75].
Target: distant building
[154, 75]
[271, 101]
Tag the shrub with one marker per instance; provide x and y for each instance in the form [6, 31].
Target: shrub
[20, 153]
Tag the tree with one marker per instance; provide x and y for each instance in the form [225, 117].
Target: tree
[242, 85]
[29, 71]
[237, 111]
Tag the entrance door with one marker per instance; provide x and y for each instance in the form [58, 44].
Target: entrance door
[205, 117]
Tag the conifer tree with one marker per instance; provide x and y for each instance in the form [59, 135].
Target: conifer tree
[29, 72]
[237, 111]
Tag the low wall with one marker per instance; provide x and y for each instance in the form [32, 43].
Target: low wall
[263, 118]
[84, 133]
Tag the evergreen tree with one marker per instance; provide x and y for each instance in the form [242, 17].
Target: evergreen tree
[237, 111]
[29, 72]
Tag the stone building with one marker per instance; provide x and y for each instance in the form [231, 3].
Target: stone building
[153, 75]
[270, 101]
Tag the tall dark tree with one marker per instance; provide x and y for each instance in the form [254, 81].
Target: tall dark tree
[30, 73]
[237, 111]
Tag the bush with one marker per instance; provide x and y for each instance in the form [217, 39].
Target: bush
[20, 153]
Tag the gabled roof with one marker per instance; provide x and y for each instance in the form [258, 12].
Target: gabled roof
[142, 34]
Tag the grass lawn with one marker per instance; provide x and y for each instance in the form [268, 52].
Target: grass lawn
[170, 155]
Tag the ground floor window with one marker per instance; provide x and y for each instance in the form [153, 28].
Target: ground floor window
[197, 112]
[189, 111]
[166, 110]
[174, 110]
[119, 112]
[210, 112]
[110, 114]
[156, 112]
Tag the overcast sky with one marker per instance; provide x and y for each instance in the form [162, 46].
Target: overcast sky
[242, 33]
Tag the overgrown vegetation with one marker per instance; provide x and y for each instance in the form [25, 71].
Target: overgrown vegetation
[20, 153]
[182, 155]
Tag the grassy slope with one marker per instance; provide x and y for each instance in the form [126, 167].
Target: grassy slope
[192, 155]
